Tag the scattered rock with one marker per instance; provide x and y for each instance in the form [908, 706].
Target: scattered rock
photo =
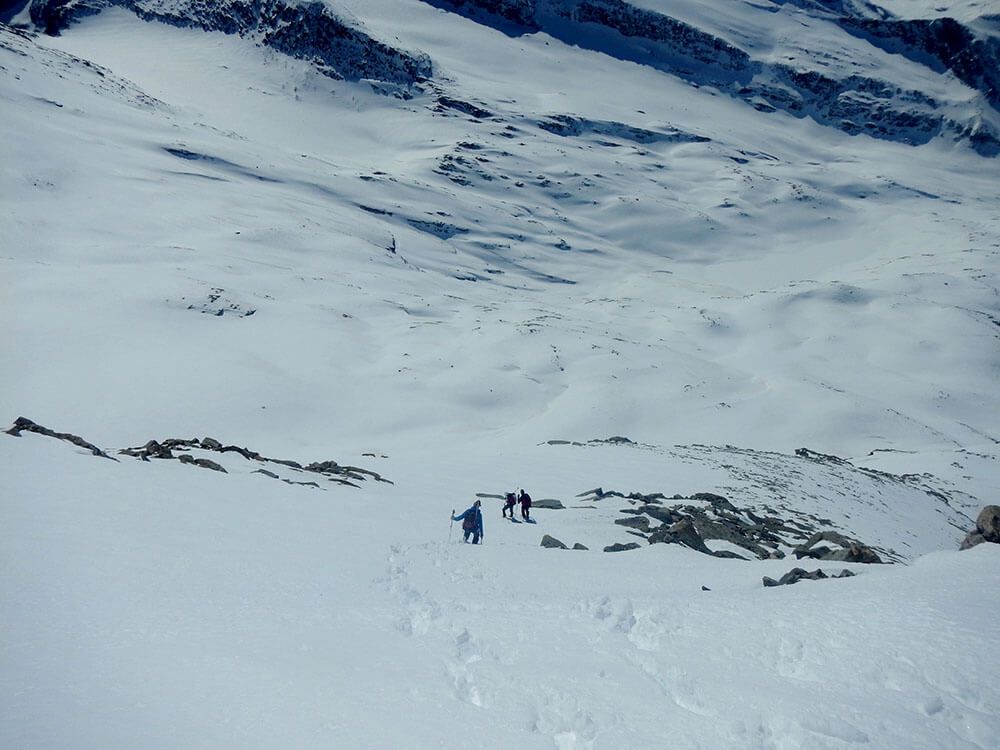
[205, 463]
[798, 574]
[705, 588]
[552, 543]
[548, 503]
[621, 547]
[580, 546]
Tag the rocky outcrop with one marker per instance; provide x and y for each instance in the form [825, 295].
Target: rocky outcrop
[843, 549]
[704, 517]
[187, 450]
[23, 424]
[972, 59]
[520, 13]
[552, 543]
[687, 42]
[855, 104]
[800, 574]
[987, 528]
[683, 532]
[164, 449]
[308, 31]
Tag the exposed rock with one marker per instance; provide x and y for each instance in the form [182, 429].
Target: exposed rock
[205, 463]
[682, 532]
[988, 523]
[727, 554]
[573, 126]
[852, 103]
[665, 515]
[634, 522]
[520, 12]
[987, 528]
[971, 540]
[552, 542]
[974, 60]
[22, 424]
[306, 31]
[621, 547]
[799, 574]
[211, 444]
[579, 546]
[548, 504]
[717, 501]
[850, 550]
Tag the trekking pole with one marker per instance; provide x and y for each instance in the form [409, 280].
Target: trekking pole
[451, 525]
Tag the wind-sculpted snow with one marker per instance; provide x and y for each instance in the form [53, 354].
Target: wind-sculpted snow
[308, 31]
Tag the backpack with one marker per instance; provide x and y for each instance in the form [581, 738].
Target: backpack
[469, 522]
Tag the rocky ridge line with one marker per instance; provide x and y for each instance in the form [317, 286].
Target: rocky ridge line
[187, 451]
[855, 104]
[307, 31]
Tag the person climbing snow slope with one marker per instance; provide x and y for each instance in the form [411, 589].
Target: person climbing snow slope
[525, 499]
[472, 522]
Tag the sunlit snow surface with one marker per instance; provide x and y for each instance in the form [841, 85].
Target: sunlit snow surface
[202, 238]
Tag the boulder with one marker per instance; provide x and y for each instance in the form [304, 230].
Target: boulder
[552, 543]
[987, 528]
[579, 546]
[988, 523]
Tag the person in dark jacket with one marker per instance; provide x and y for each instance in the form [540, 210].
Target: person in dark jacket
[525, 499]
[509, 504]
[472, 523]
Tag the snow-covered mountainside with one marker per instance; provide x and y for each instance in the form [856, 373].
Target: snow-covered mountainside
[282, 284]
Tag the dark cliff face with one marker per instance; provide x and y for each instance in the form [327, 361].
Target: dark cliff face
[305, 31]
[854, 104]
[940, 43]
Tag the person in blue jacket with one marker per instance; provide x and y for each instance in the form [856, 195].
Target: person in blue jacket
[472, 522]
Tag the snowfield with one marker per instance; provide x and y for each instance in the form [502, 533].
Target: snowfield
[549, 267]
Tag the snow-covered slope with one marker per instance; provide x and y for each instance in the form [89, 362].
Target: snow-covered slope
[466, 252]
